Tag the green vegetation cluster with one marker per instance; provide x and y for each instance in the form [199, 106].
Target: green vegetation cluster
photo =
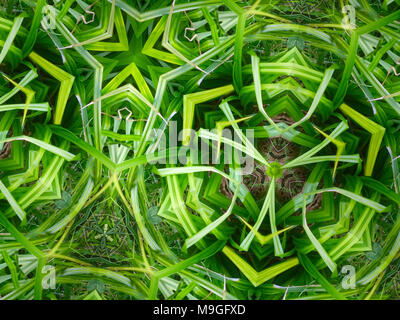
[92, 208]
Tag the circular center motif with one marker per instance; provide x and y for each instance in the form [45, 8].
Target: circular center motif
[277, 151]
[104, 235]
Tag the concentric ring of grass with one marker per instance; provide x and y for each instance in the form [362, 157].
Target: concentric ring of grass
[83, 85]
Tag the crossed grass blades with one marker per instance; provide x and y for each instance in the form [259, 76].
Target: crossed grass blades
[84, 84]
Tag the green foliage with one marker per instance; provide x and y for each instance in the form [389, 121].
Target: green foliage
[91, 90]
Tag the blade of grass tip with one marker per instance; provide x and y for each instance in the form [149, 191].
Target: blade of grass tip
[193, 169]
[255, 65]
[336, 132]
[13, 203]
[32, 35]
[249, 147]
[29, 96]
[206, 230]
[360, 199]
[11, 36]
[48, 147]
[340, 146]
[221, 125]
[25, 81]
[321, 89]
[245, 244]
[263, 239]
[324, 255]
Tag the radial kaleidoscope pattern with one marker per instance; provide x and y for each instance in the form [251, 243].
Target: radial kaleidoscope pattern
[211, 149]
